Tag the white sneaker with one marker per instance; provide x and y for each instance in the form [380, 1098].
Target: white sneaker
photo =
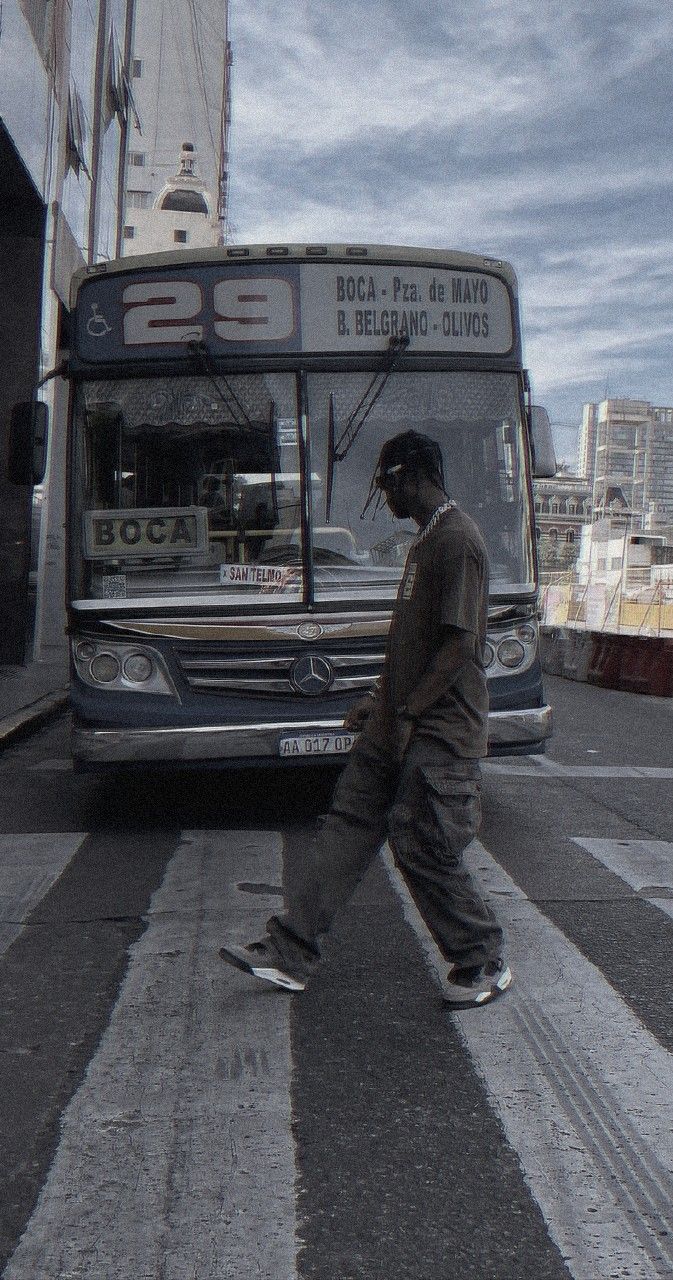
[469, 988]
[260, 959]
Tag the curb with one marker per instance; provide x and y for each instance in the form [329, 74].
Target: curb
[27, 718]
[632, 664]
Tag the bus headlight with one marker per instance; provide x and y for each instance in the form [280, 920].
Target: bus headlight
[511, 648]
[138, 668]
[105, 668]
[122, 667]
[511, 653]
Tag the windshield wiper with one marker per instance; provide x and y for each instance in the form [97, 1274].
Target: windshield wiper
[339, 449]
[201, 355]
[350, 433]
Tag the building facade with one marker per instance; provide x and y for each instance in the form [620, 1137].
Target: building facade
[626, 454]
[587, 441]
[65, 111]
[562, 509]
[177, 177]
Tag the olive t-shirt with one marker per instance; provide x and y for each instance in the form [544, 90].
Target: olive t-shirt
[445, 584]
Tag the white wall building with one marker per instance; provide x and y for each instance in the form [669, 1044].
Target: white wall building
[177, 173]
[65, 105]
[612, 554]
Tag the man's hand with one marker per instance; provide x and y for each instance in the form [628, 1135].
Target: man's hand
[357, 715]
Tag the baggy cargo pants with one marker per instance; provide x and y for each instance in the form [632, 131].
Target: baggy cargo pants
[429, 809]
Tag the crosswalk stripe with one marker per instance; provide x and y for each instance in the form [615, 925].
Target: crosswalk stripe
[179, 1143]
[647, 865]
[176, 1153]
[583, 1091]
[29, 865]
[545, 767]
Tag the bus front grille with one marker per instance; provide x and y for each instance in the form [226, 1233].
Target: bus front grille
[269, 673]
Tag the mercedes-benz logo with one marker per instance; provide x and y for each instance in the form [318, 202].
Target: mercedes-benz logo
[311, 675]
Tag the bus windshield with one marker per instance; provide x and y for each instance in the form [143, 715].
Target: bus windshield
[189, 487]
[476, 419]
[194, 487]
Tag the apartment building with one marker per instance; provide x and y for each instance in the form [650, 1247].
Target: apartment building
[626, 454]
[587, 441]
[177, 175]
[65, 111]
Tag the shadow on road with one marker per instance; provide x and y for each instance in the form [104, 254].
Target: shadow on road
[212, 799]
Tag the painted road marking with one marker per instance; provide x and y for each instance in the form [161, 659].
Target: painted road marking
[544, 767]
[647, 865]
[584, 1092]
[29, 866]
[176, 1156]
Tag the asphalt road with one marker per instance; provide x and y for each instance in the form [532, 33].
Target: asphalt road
[163, 1116]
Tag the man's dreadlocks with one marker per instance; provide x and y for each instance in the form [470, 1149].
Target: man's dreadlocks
[410, 450]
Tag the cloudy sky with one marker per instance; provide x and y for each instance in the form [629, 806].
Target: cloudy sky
[533, 130]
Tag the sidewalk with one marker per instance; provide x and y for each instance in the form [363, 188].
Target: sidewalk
[29, 694]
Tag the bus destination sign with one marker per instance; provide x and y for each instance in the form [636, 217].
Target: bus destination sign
[273, 308]
[147, 532]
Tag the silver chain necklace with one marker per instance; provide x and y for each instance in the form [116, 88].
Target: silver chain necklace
[434, 518]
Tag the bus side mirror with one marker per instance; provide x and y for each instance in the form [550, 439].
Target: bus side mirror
[542, 442]
[28, 443]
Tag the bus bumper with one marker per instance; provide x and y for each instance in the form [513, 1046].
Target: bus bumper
[509, 732]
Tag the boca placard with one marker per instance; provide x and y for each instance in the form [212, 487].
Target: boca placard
[159, 531]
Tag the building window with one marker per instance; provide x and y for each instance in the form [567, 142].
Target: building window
[77, 135]
[137, 159]
[38, 14]
[137, 68]
[570, 536]
[129, 233]
[180, 237]
[138, 199]
[616, 562]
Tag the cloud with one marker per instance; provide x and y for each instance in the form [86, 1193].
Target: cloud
[524, 130]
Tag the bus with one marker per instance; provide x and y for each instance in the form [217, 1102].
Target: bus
[230, 589]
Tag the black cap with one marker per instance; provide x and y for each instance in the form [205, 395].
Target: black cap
[412, 448]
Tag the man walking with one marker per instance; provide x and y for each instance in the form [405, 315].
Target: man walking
[413, 775]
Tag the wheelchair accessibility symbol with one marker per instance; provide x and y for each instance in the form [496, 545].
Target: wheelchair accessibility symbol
[97, 325]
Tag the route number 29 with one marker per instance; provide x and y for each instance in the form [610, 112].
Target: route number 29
[246, 310]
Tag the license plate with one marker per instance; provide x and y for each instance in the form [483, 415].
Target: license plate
[317, 744]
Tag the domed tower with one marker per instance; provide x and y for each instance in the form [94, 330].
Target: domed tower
[185, 193]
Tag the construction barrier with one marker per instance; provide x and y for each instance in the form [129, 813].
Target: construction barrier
[597, 607]
[577, 655]
[636, 664]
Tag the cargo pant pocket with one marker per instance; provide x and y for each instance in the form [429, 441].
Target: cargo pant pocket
[453, 806]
